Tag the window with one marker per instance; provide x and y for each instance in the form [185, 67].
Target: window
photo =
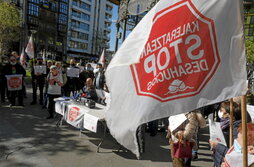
[53, 6]
[75, 24]
[85, 16]
[75, 3]
[34, 1]
[85, 6]
[66, 1]
[108, 8]
[33, 9]
[78, 45]
[84, 26]
[62, 28]
[74, 34]
[63, 8]
[32, 20]
[76, 14]
[62, 19]
[83, 36]
[252, 20]
[250, 31]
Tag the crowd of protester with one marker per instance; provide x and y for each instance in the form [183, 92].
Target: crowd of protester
[53, 82]
[57, 81]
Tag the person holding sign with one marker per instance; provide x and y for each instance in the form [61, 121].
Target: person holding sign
[55, 81]
[182, 133]
[219, 150]
[13, 71]
[72, 84]
[38, 80]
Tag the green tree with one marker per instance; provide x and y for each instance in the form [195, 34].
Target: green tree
[10, 22]
[250, 51]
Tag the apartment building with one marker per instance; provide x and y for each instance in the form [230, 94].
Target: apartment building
[88, 28]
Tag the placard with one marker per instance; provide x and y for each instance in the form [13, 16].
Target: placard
[250, 110]
[40, 69]
[215, 131]
[75, 116]
[14, 82]
[175, 121]
[73, 72]
[90, 122]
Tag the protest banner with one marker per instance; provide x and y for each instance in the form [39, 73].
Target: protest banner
[173, 67]
[74, 116]
[40, 69]
[14, 82]
[90, 122]
[73, 72]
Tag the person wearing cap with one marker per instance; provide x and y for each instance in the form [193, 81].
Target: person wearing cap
[38, 80]
[55, 81]
[13, 68]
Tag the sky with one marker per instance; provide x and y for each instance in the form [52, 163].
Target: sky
[113, 28]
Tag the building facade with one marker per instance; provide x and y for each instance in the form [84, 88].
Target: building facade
[89, 28]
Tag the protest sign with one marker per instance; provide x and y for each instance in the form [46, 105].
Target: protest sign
[14, 82]
[73, 72]
[90, 122]
[40, 69]
[175, 121]
[215, 131]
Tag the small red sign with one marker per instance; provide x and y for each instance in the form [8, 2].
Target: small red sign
[180, 55]
[15, 82]
[73, 113]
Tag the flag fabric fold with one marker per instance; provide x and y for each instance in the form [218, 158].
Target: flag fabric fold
[30, 48]
[181, 56]
[102, 58]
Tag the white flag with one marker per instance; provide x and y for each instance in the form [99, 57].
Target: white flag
[30, 48]
[23, 58]
[181, 56]
[102, 58]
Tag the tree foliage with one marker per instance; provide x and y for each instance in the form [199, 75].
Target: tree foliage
[10, 22]
[250, 51]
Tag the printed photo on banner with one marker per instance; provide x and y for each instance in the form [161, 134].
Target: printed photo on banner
[73, 72]
[40, 69]
[215, 131]
[14, 82]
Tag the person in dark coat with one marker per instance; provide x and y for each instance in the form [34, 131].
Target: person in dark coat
[99, 77]
[3, 86]
[72, 84]
[13, 68]
[38, 80]
[89, 90]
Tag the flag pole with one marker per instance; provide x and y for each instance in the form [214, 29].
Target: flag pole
[244, 131]
[231, 124]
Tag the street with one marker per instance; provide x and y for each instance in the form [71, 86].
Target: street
[28, 139]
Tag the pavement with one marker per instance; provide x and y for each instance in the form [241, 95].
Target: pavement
[28, 139]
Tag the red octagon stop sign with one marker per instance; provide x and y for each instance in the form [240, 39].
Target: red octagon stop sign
[180, 55]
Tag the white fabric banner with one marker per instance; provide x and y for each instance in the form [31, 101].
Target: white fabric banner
[90, 122]
[75, 116]
[181, 56]
[14, 82]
